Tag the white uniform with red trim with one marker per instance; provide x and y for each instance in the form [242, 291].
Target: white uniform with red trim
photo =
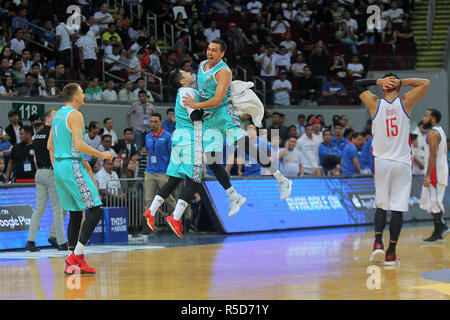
[393, 156]
[432, 198]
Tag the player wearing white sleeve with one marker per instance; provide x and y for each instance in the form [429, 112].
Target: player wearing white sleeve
[392, 151]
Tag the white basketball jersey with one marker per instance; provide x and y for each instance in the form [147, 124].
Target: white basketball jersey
[440, 171]
[390, 129]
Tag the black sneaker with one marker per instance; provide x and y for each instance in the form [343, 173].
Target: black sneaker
[53, 242]
[31, 246]
[63, 247]
[434, 238]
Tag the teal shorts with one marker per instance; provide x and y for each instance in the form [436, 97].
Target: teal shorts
[74, 186]
[219, 124]
[186, 158]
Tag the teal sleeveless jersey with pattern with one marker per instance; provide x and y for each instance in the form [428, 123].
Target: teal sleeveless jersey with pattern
[183, 121]
[207, 84]
[62, 137]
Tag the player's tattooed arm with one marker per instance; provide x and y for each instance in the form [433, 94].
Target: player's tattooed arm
[433, 139]
[420, 88]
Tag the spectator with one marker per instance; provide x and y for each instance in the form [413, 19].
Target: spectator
[238, 38]
[396, 14]
[12, 130]
[51, 91]
[158, 144]
[106, 145]
[337, 12]
[277, 125]
[141, 86]
[155, 64]
[5, 70]
[26, 62]
[366, 158]
[269, 70]
[180, 25]
[326, 148]
[5, 147]
[141, 111]
[283, 58]
[338, 68]
[289, 13]
[109, 94]
[279, 25]
[91, 137]
[282, 89]
[350, 22]
[355, 68]
[418, 164]
[194, 19]
[111, 43]
[20, 21]
[421, 132]
[122, 17]
[290, 45]
[36, 123]
[221, 6]
[30, 88]
[254, 7]
[18, 73]
[205, 8]
[300, 125]
[308, 86]
[17, 44]
[138, 45]
[211, 33]
[129, 142]
[298, 67]
[251, 167]
[333, 89]
[102, 17]
[7, 89]
[47, 36]
[63, 42]
[389, 35]
[126, 94]
[291, 159]
[2, 170]
[338, 138]
[87, 51]
[237, 7]
[309, 149]
[59, 75]
[36, 71]
[122, 31]
[180, 45]
[21, 165]
[348, 133]
[170, 63]
[346, 36]
[317, 132]
[319, 60]
[303, 15]
[134, 70]
[93, 92]
[169, 123]
[406, 34]
[112, 61]
[6, 54]
[350, 162]
[136, 30]
[108, 181]
[108, 129]
[112, 32]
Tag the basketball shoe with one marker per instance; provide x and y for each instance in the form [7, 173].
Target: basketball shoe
[175, 226]
[435, 237]
[377, 253]
[391, 260]
[235, 204]
[150, 219]
[285, 188]
[80, 262]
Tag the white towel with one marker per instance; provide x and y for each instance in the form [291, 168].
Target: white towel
[245, 101]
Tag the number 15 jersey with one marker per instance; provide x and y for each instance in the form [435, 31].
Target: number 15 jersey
[390, 129]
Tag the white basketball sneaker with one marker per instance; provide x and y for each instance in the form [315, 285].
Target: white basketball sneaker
[236, 204]
[285, 188]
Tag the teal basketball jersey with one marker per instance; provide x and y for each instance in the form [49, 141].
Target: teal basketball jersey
[182, 116]
[62, 136]
[207, 84]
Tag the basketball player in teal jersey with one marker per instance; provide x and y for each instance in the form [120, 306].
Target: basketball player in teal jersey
[73, 177]
[186, 159]
[214, 82]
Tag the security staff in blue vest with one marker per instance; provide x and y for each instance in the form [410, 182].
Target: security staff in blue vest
[158, 144]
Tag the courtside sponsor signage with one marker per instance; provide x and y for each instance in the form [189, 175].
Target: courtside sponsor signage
[15, 218]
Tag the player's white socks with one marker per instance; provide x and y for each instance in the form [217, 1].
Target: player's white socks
[231, 192]
[79, 249]
[157, 202]
[277, 174]
[179, 209]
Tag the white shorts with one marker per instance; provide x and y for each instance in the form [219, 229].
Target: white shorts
[432, 198]
[392, 185]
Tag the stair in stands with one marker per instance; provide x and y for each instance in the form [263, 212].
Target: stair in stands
[431, 58]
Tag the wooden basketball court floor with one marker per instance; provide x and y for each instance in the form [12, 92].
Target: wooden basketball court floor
[305, 264]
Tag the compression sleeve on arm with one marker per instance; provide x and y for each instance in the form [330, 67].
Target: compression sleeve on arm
[363, 84]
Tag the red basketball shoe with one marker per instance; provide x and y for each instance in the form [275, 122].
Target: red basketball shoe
[391, 260]
[150, 219]
[175, 226]
[377, 253]
[78, 262]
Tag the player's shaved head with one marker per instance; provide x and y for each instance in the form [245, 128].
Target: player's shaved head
[69, 91]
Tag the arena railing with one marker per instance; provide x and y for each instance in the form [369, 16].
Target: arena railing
[260, 88]
[168, 32]
[241, 73]
[430, 19]
[152, 28]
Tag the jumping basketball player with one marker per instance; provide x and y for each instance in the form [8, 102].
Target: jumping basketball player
[73, 177]
[436, 177]
[214, 82]
[392, 152]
